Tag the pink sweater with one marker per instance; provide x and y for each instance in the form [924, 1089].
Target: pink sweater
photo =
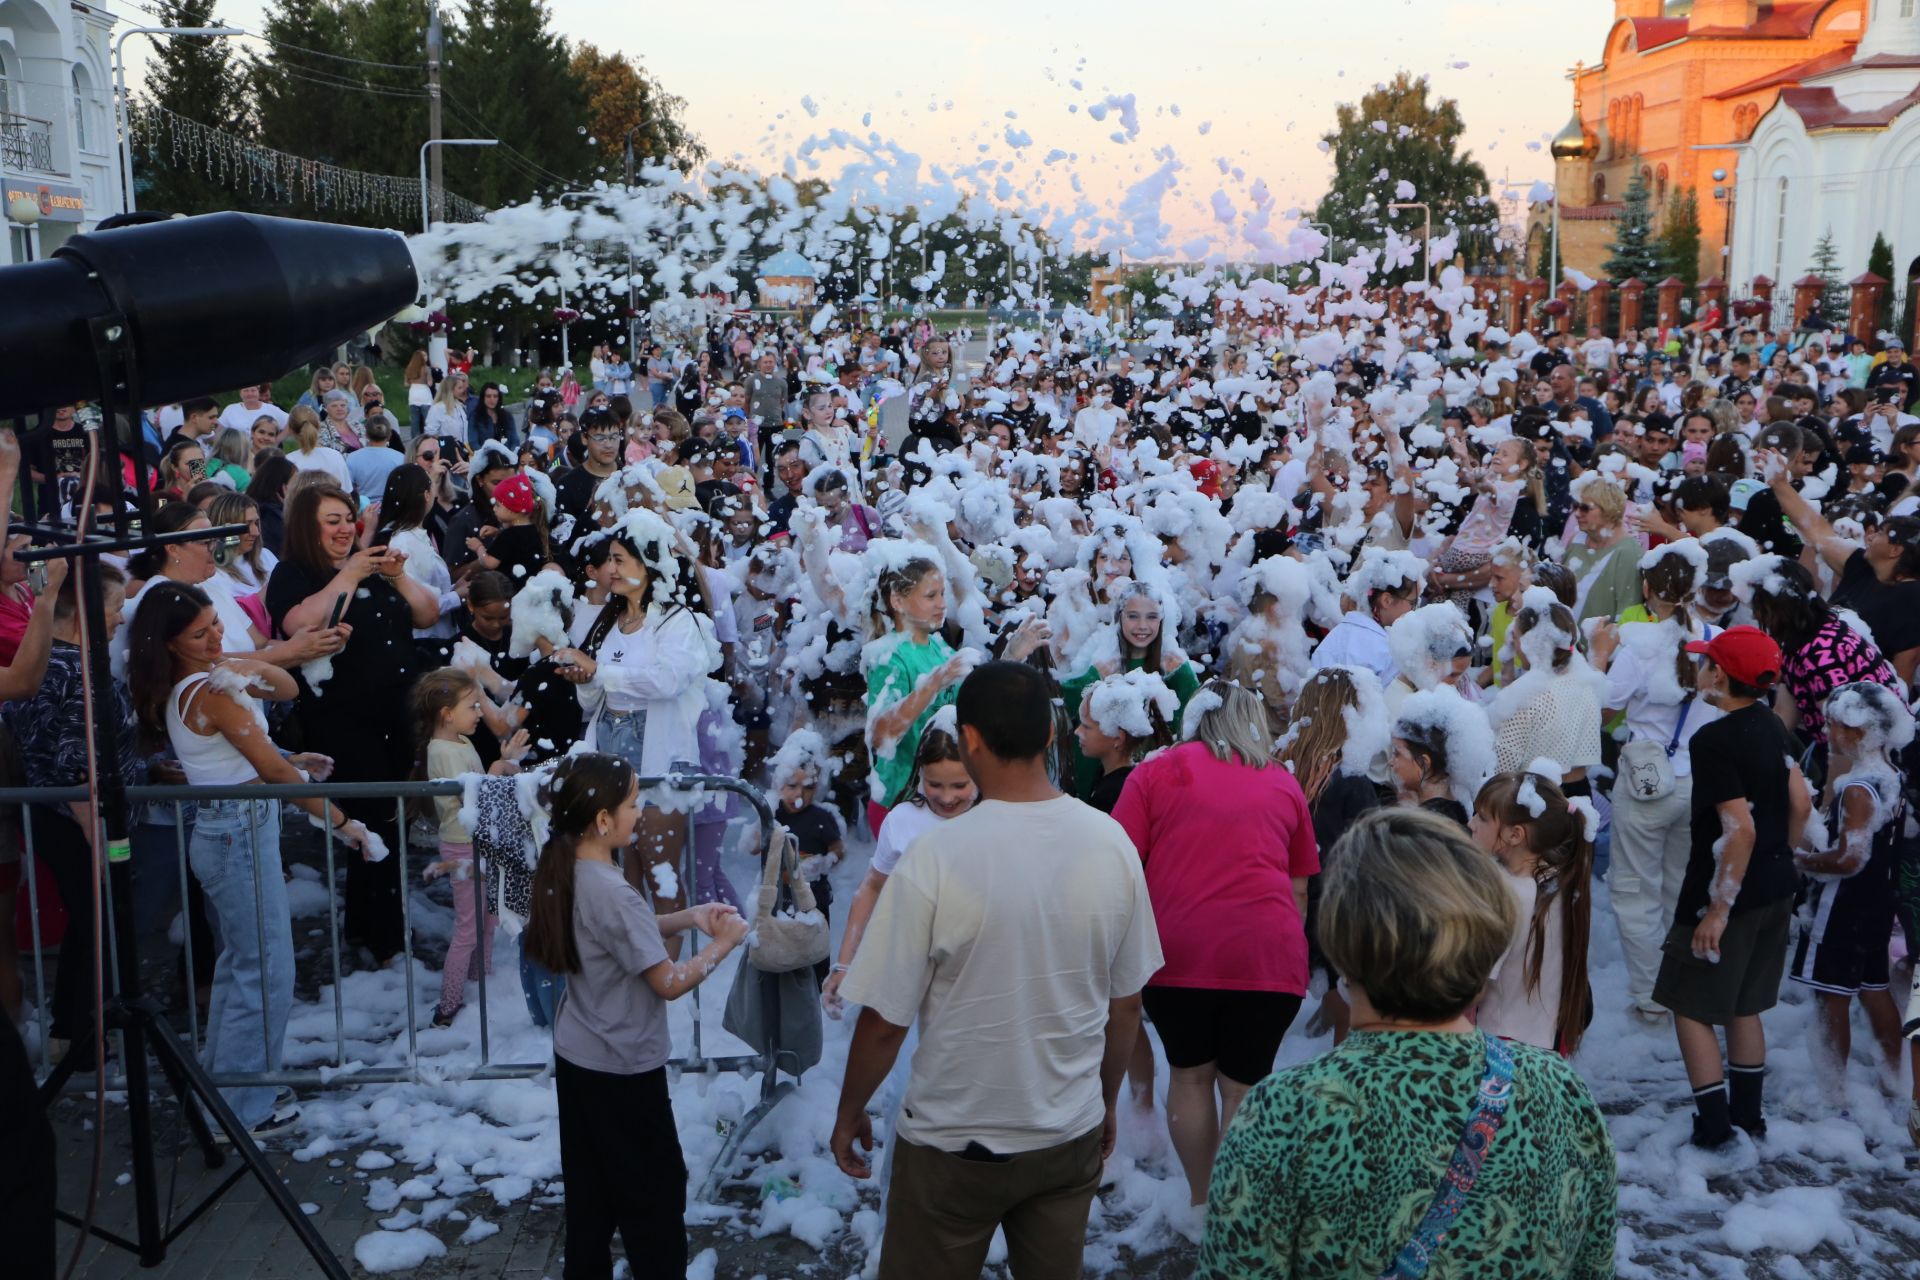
[1222, 845]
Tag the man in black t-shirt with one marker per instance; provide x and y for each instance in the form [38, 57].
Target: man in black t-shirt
[574, 494]
[1727, 949]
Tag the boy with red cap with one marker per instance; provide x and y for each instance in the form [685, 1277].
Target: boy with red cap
[1727, 949]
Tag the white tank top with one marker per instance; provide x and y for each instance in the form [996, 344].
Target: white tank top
[208, 760]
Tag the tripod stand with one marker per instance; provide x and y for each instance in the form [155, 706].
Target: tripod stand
[138, 1018]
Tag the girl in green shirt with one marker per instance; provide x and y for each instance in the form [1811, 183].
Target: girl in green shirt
[911, 673]
[1140, 631]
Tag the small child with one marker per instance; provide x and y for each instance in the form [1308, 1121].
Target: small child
[1849, 895]
[817, 837]
[446, 710]
[1539, 993]
[521, 547]
[619, 1145]
[1122, 718]
[938, 789]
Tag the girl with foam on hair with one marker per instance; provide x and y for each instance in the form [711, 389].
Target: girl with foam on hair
[1139, 639]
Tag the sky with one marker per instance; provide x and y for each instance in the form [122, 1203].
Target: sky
[1231, 91]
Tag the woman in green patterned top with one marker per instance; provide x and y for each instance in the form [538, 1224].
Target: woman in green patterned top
[1330, 1167]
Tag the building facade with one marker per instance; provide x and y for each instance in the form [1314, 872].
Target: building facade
[59, 164]
[1678, 89]
[1839, 154]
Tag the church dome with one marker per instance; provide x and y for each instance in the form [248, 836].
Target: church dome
[1571, 142]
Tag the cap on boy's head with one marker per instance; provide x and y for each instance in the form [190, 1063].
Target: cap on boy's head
[1746, 654]
[515, 493]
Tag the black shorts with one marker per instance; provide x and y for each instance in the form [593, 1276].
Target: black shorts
[1238, 1032]
[1745, 980]
[1844, 929]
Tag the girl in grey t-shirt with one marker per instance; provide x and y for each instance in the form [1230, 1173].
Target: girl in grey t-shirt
[619, 1147]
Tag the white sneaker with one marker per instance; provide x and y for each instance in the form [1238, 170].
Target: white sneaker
[1648, 1011]
[282, 1120]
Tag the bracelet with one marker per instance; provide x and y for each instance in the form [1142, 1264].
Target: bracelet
[344, 820]
[839, 968]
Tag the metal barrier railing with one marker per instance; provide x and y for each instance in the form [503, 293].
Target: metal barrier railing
[340, 1072]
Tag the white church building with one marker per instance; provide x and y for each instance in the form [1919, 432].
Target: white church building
[1839, 153]
[59, 168]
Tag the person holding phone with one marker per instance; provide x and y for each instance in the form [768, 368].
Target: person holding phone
[354, 707]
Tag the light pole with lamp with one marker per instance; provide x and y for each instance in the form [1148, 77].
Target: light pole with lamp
[23, 210]
[120, 94]
[437, 342]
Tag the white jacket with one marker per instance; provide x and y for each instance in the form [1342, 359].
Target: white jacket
[660, 669]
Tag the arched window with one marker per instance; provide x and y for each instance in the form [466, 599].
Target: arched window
[1660, 188]
[1599, 188]
[83, 110]
[1780, 234]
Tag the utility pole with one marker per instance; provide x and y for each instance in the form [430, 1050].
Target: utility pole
[437, 186]
[633, 320]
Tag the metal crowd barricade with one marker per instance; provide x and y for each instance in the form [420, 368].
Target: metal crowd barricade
[339, 1072]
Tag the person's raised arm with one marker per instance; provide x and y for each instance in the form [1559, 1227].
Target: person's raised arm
[1811, 525]
[29, 667]
[888, 725]
[670, 981]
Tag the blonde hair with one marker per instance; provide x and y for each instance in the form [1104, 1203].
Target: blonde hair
[1413, 914]
[1320, 720]
[1234, 727]
[304, 423]
[1606, 497]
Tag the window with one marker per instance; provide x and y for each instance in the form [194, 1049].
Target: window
[82, 108]
[19, 243]
[1906, 8]
[1599, 188]
[1780, 234]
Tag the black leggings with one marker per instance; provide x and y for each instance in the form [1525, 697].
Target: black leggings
[620, 1156]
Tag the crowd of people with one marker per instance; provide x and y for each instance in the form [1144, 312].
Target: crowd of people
[1381, 643]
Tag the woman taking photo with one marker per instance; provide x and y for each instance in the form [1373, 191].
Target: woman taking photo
[1336, 1167]
[355, 710]
[1228, 847]
[645, 662]
[427, 454]
[206, 706]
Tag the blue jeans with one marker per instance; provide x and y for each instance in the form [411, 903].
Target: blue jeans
[543, 989]
[235, 854]
[621, 733]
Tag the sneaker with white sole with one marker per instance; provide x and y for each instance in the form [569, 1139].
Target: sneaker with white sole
[281, 1121]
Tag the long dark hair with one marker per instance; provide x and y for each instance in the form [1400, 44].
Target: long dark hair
[936, 746]
[166, 609]
[691, 595]
[404, 501]
[1557, 836]
[1794, 614]
[270, 480]
[581, 789]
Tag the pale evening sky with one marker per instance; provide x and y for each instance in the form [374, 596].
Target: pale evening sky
[1237, 90]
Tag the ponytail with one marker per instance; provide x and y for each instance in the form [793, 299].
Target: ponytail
[581, 789]
[1557, 837]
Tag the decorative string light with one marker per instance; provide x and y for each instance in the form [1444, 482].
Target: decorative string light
[265, 172]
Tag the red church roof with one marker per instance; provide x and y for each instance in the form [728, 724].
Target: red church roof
[1822, 109]
[1651, 32]
[1779, 22]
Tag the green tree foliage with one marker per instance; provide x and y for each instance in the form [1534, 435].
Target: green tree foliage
[1880, 262]
[510, 76]
[1680, 238]
[1635, 253]
[195, 77]
[1398, 133]
[1833, 289]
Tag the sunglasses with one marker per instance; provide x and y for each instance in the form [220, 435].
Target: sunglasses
[1583, 506]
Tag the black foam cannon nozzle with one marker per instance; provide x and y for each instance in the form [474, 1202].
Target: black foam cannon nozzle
[212, 303]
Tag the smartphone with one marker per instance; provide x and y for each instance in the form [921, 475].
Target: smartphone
[339, 608]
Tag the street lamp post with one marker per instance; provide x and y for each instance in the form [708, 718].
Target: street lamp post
[1427, 251]
[120, 94]
[437, 342]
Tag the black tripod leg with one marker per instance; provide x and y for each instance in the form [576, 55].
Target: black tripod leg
[195, 1117]
[79, 1050]
[168, 1048]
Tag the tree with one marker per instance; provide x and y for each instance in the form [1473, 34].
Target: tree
[1826, 265]
[510, 76]
[622, 97]
[1634, 253]
[1394, 135]
[194, 77]
[1880, 262]
[1680, 238]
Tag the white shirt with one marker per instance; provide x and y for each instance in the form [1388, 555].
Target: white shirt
[452, 423]
[1005, 932]
[241, 418]
[1507, 1009]
[1556, 717]
[1358, 641]
[905, 823]
[425, 566]
[660, 669]
[323, 459]
[1652, 714]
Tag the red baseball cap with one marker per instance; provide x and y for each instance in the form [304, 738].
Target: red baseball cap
[1747, 654]
[1206, 472]
[515, 493]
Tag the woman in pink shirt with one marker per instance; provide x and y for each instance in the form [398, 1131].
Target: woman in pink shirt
[1228, 846]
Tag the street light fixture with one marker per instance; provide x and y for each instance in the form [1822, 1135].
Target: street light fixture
[120, 94]
[437, 342]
